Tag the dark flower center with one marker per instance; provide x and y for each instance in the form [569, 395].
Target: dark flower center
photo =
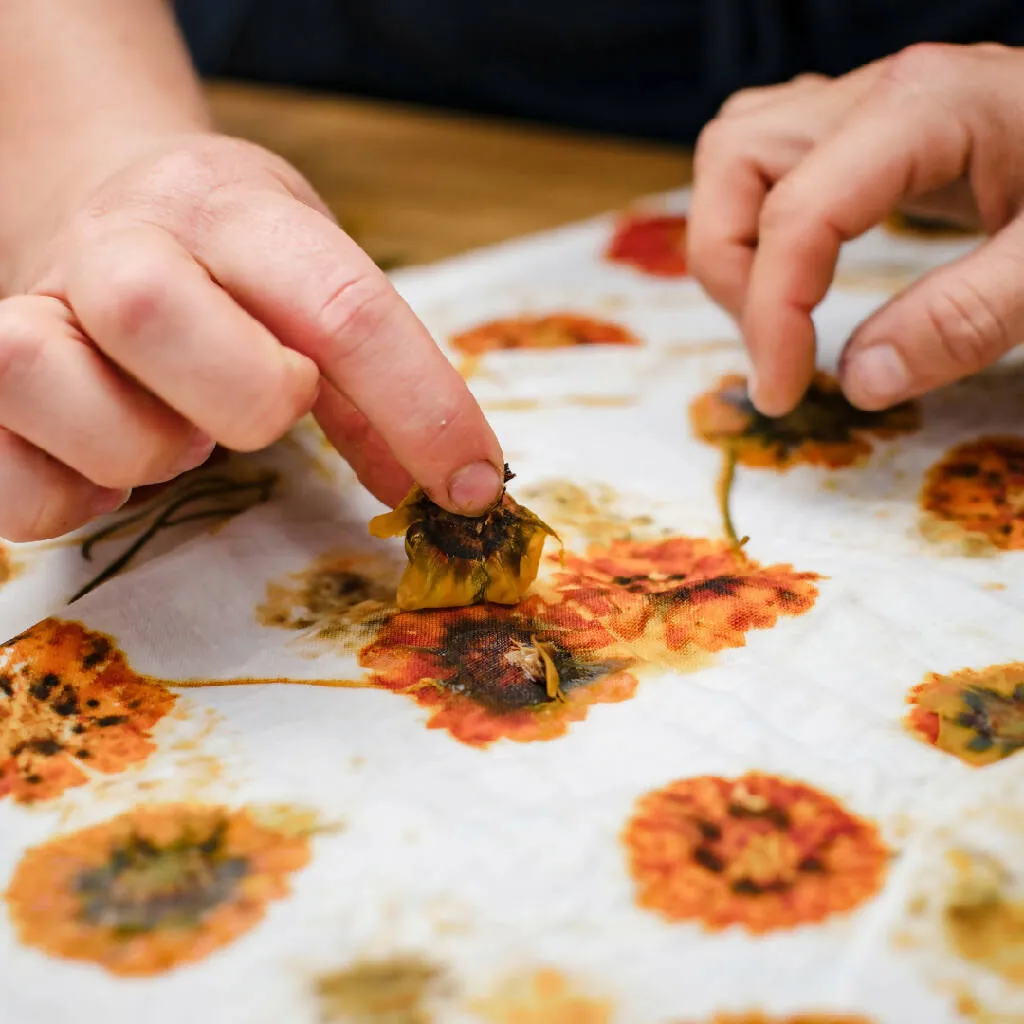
[822, 416]
[143, 886]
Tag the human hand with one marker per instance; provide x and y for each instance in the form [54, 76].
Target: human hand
[203, 295]
[786, 174]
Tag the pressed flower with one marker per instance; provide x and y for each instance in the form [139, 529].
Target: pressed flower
[976, 715]
[979, 487]
[690, 594]
[760, 852]
[653, 244]
[824, 430]
[489, 672]
[455, 561]
[152, 889]
[70, 704]
[551, 330]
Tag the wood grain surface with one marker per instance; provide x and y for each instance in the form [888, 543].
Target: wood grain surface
[414, 185]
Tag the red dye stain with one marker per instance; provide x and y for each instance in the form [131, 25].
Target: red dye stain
[655, 245]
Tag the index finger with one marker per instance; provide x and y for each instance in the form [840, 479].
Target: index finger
[310, 284]
[903, 141]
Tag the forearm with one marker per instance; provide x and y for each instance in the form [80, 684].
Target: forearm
[84, 86]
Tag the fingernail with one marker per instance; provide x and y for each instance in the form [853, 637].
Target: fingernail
[107, 501]
[199, 450]
[877, 376]
[474, 488]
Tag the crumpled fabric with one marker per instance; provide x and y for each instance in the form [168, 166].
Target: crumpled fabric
[780, 783]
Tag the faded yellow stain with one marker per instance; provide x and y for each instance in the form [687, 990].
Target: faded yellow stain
[542, 997]
[982, 923]
[396, 991]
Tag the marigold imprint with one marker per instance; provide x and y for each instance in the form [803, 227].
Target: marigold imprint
[760, 852]
[70, 703]
[975, 715]
[152, 889]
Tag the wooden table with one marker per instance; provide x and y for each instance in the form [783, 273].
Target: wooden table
[414, 186]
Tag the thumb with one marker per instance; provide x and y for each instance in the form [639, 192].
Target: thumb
[952, 323]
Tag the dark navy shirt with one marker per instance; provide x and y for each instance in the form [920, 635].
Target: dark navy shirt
[654, 68]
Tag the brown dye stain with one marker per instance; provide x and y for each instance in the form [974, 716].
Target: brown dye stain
[682, 596]
[993, 586]
[511, 404]
[594, 514]
[975, 715]
[881, 277]
[800, 1018]
[602, 401]
[982, 923]
[340, 597]
[70, 706]
[455, 561]
[379, 992]
[152, 889]
[713, 346]
[824, 430]
[924, 228]
[489, 672]
[544, 997]
[760, 852]
[978, 488]
[653, 244]
[554, 330]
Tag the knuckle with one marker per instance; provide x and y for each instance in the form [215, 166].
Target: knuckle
[739, 101]
[355, 312]
[784, 207]
[920, 64]
[716, 137]
[20, 348]
[271, 412]
[42, 515]
[967, 327]
[135, 291]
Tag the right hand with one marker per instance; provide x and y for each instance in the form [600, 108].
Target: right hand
[202, 294]
[785, 175]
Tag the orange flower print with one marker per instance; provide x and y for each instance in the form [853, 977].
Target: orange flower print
[152, 889]
[693, 595]
[553, 330]
[655, 245]
[977, 716]
[69, 702]
[979, 487]
[759, 852]
[824, 430]
[488, 672]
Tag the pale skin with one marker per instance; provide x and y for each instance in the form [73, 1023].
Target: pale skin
[784, 175]
[167, 288]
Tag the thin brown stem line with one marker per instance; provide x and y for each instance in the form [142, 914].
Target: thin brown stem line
[204, 489]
